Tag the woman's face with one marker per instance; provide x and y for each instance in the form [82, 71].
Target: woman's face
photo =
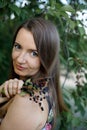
[25, 57]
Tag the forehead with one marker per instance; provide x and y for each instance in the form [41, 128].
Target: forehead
[25, 39]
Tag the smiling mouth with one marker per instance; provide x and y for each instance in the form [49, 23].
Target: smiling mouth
[19, 67]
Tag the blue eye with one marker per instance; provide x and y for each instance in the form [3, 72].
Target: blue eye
[17, 46]
[34, 53]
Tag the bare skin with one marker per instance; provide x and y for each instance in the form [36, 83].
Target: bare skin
[27, 115]
[22, 113]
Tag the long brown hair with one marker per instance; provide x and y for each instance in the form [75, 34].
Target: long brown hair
[47, 41]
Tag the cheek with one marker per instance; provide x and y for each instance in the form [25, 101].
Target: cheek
[34, 63]
[38, 63]
[14, 55]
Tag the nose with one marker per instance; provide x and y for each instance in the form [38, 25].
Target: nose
[22, 58]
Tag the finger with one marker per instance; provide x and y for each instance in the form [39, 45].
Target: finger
[10, 87]
[14, 90]
[20, 85]
[15, 86]
[6, 89]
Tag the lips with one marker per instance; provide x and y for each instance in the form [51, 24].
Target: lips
[19, 67]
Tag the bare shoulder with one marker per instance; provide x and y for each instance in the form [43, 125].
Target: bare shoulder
[25, 114]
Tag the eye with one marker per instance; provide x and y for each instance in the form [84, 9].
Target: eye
[17, 46]
[34, 53]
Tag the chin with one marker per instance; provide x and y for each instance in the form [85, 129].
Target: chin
[20, 73]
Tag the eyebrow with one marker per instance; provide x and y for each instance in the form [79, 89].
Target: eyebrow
[17, 43]
[28, 49]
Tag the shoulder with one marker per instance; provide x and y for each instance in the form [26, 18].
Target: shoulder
[26, 113]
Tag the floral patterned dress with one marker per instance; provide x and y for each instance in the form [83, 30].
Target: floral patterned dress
[49, 122]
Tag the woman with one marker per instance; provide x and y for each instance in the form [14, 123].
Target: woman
[33, 89]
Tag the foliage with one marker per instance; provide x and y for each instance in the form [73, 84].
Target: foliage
[76, 100]
[73, 54]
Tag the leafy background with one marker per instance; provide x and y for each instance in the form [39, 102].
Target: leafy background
[73, 53]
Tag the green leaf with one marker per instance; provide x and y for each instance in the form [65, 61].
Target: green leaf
[15, 9]
[72, 24]
[65, 15]
[71, 49]
[81, 30]
[69, 116]
[68, 8]
[76, 122]
[71, 61]
[3, 4]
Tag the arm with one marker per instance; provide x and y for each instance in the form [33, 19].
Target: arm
[7, 91]
[24, 114]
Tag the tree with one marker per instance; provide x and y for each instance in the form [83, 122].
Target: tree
[73, 40]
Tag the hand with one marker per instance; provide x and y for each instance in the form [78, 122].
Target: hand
[12, 87]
